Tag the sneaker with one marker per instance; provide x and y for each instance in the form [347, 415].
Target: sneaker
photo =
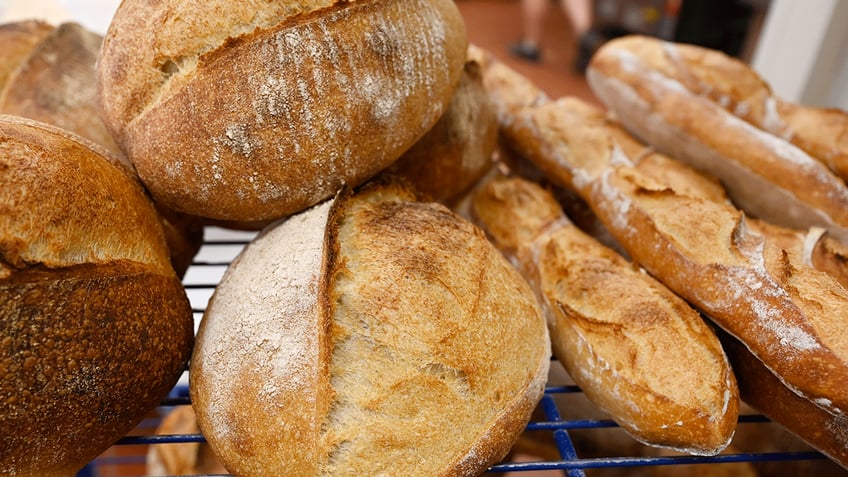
[525, 51]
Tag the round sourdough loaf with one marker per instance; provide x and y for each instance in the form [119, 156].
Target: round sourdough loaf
[95, 326]
[256, 110]
[52, 80]
[368, 335]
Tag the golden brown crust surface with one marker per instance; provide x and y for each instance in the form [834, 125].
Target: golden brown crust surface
[635, 348]
[765, 174]
[785, 311]
[397, 343]
[95, 325]
[18, 40]
[458, 149]
[270, 115]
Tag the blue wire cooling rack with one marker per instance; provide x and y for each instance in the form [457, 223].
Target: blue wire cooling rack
[221, 246]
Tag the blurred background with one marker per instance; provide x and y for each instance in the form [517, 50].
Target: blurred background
[798, 46]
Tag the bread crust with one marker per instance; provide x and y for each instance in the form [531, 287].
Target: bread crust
[762, 390]
[276, 117]
[95, 325]
[638, 79]
[781, 308]
[636, 349]
[18, 39]
[738, 89]
[457, 151]
[394, 343]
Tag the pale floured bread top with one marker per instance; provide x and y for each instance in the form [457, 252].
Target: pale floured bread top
[263, 321]
[64, 203]
[345, 340]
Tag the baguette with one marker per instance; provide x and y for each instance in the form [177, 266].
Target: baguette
[636, 349]
[369, 335]
[705, 250]
[95, 325]
[658, 92]
[762, 390]
[253, 111]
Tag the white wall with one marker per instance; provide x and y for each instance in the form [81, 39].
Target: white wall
[803, 51]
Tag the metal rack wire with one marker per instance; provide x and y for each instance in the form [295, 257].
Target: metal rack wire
[221, 246]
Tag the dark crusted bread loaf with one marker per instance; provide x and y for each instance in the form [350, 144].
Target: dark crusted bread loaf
[255, 110]
[369, 335]
[95, 325]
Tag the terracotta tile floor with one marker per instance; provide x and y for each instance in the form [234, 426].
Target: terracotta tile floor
[494, 24]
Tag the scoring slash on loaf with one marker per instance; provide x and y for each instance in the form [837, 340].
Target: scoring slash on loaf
[636, 349]
[711, 111]
[95, 326]
[251, 111]
[369, 335]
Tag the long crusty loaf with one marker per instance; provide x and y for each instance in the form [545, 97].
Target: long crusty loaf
[785, 311]
[734, 86]
[369, 335]
[764, 391]
[663, 103]
[95, 325]
[252, 111]
[636, 349]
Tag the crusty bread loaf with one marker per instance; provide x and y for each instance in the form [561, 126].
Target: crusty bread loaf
[369, 335]
[54, 82]
[458, 150]
[764, 391]
[636, 349]
[95, 325]
[659, 93]
[253, 110]
[18, 40]
[785, 311]
[185, 458]
[737, 88]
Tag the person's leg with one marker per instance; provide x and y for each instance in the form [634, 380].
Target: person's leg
[579, 14]
[532, 18]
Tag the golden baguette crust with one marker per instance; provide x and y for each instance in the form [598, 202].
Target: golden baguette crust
[636, 349]
[762, 390]
[737, 88]
[260, 111]
[764, 174]
[785, 311]
[95, 325]
[346, 339]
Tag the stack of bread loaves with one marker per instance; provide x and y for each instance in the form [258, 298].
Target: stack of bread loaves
[779, 291]
[95, 325]
[49, 76]
[350, 313]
